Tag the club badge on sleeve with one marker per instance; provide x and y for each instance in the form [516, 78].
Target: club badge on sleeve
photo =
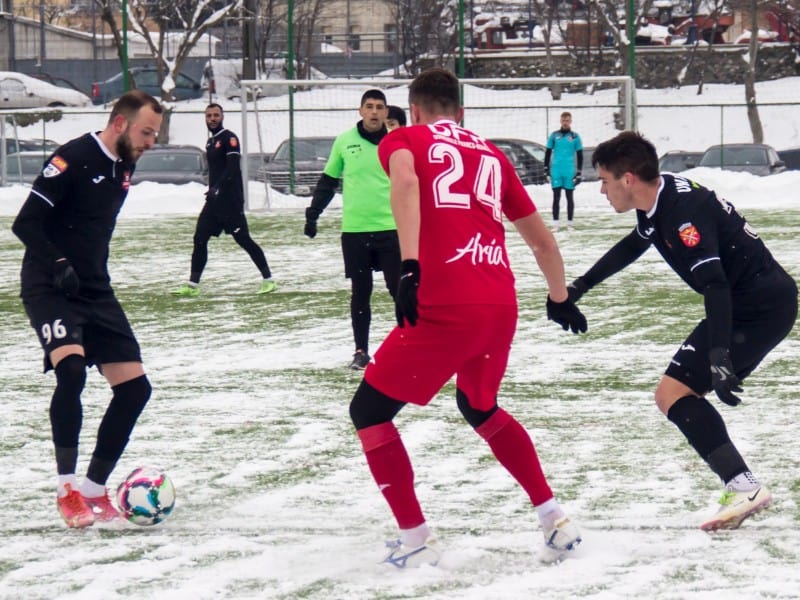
[55, 167]
[689, 235]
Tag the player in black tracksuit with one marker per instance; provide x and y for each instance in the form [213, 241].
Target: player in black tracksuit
[66, 224]
[750, 303]
[224, 207]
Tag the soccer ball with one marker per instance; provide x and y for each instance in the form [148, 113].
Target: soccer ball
[146, 497]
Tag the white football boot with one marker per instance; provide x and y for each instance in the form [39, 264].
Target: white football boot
[402, 556]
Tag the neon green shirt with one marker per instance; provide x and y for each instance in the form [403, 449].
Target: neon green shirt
[365, 186]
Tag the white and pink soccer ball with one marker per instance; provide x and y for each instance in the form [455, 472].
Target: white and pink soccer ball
[146, 496]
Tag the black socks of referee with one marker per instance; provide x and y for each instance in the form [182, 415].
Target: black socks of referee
[705, 430]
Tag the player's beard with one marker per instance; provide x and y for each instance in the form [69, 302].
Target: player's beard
[125, 149]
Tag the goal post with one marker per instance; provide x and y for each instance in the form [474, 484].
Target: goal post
[279, 110]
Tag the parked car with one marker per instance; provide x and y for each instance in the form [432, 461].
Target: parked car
[790, 156]
[256, 163]
[589, 173]
[21, 91]
[310, 156]
[61, 82]
[166, 163]
[24, 167]
[44, 146]
[527, 158]
[676, 161]
[758, 159]
[146, 79]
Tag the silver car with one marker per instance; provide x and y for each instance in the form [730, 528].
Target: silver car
[758, 159]
[297, 171]
[25, 166]
[167, 163]
[21, 91]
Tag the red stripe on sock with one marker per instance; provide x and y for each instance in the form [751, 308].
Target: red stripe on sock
[377, 435]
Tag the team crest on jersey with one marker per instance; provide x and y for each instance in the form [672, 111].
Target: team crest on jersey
[218, 144]
[689, 235]
[56, 166]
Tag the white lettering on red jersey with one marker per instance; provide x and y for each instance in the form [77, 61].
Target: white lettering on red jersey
[466, 187]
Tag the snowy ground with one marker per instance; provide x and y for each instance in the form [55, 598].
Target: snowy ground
[249, 417]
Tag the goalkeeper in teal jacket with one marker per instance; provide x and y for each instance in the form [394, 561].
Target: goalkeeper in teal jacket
[566, 151]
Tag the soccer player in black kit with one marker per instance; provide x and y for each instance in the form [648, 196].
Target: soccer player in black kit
[224, 207]
[750, 303]
[66, 224]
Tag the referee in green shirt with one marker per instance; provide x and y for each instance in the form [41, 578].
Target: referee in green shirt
[369, 234]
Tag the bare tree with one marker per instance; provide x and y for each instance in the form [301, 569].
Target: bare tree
[546, 15]
[426, 30]
[182, 21]
[717, 8]
[306, 15]
[269, 14]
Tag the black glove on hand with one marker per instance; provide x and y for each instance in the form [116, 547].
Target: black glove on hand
[65, 278]
[405, 303]
[723, 378]
[310, 228]
[577, 179]
[212, 193]
[567, 315]
[577, 289]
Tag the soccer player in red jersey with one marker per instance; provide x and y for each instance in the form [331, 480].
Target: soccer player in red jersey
[456, 308]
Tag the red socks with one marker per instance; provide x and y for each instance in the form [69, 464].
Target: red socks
[391, 468]
[513, 448]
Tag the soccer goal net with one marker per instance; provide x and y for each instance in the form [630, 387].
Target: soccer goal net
[289, 125]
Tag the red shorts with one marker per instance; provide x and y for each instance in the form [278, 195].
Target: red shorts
[470, 341]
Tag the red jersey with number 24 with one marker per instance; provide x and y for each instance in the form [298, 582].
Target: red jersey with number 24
[466, 185]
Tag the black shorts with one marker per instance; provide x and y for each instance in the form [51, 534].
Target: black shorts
[374, 251]
[212, 224]
[97, 324]
[754, 334]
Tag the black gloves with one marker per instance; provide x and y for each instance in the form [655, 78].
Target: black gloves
[65, 278]
[723, 378]
[310, 229]
[567, 315]
[577, 289]
[577, 179]
[405, 302]
[212, 193]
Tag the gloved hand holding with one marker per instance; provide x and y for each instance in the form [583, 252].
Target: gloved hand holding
[577, 179]
[405, 302]
[310, 229]
[567, 315]
[65, 278]
[577, 289]
[723, 377]
[212, 193]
